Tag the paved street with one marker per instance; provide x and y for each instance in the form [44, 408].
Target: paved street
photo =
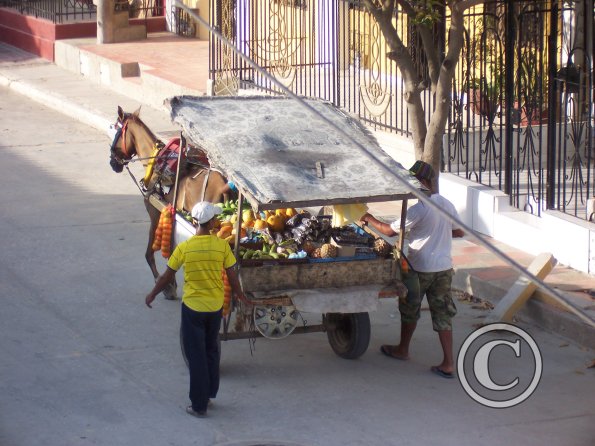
[83, 361]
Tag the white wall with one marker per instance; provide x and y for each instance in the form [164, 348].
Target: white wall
[486, 210]
[569, 239]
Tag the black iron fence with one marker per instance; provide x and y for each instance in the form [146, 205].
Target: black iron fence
[64, 11]
[327, 49]
[522, 116]
[57, 11]
[522, 100]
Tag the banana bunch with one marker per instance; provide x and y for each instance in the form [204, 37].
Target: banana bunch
[270, 251]
[230, 207]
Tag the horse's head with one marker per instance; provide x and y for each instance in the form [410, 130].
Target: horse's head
[123, 147]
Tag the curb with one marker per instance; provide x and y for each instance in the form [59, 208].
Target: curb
[58, 103]
[539, 314]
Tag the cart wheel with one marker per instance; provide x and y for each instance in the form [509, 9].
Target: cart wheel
[348, 333]
[275, 321]
[184, 351]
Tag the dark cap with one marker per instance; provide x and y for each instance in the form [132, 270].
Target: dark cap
[422, 171]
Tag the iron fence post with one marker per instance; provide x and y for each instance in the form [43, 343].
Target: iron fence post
[552, 110]
[509, 86]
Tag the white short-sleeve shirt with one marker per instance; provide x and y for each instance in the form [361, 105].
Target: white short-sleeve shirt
[430, 235]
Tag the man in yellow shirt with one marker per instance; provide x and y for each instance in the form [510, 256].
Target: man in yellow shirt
[203, 257]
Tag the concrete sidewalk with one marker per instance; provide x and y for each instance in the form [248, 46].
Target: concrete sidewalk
[86, 98]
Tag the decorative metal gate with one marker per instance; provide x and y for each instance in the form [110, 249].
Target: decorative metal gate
[522, 115]
[522, 119]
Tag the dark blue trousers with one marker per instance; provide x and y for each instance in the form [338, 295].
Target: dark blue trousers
[200, 331]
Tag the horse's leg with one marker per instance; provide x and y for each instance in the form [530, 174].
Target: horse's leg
[170, 291]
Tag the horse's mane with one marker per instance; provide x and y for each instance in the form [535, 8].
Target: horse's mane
[139, 121]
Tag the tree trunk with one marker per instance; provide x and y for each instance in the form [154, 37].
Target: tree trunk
[427, 139]
[432, 153]
[417, 120]
[400, 54]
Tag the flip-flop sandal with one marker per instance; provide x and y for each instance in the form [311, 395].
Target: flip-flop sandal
[438, 371]
[385, 350]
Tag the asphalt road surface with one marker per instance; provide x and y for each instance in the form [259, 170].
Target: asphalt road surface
[84, 362]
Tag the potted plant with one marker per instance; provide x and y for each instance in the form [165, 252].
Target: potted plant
[486, 85]
[484, 97]
[531, 106]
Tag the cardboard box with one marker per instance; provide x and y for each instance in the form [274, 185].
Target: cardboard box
[352, 250]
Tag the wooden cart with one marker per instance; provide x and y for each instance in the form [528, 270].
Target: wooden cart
[281, 154]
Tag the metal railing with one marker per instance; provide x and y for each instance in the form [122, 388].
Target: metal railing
[57, 11]
[67, 11]
[521, 118]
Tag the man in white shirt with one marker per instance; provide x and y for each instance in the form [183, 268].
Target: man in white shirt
[430, 270]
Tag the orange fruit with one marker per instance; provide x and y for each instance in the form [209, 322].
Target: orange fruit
[276, 223]
[260, 224]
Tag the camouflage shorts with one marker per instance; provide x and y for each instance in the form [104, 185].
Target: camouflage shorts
[436, 287]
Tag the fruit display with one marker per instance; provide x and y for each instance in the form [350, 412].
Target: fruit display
[289, 234]
[288, 249]
[382, 248]
[163, 233]
[328, 250]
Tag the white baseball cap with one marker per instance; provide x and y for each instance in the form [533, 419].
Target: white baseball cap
[204, 211]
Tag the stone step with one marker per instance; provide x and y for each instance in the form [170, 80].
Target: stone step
[133, 79]
[130, 33]
[121, 19]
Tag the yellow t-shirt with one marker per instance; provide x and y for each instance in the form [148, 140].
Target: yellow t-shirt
[203, 257]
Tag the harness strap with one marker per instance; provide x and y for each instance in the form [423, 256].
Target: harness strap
[134, 180]
[204, 185]
[151, 165]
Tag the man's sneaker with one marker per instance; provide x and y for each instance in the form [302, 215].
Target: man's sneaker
[194, 413]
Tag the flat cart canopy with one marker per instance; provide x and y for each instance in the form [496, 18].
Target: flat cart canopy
[280, 154]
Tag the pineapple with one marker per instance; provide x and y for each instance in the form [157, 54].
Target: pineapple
[382, 248]
[308, 247]
[316, 253]
[327, 250]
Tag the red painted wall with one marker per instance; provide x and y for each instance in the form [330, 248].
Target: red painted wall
[28, 33]
[37, 36]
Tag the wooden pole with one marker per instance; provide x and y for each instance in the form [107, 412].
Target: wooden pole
[175, 197]
[401, 241]
[182, 144]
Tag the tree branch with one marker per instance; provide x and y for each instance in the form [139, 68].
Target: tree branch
[398, 51]
[406, 6]
[432, 53]
[443, 89]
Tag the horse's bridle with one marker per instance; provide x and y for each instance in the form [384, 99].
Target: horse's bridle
[116, 162]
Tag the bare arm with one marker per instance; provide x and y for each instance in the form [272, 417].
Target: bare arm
[226, 192]
[383, 228]
[162, 281]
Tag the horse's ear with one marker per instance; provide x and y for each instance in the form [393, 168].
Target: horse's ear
[120, 113]
[137, 112]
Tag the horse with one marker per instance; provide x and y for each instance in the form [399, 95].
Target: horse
[195, 183]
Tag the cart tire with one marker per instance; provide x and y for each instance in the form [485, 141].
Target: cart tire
[348, 333]
[184, 351]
